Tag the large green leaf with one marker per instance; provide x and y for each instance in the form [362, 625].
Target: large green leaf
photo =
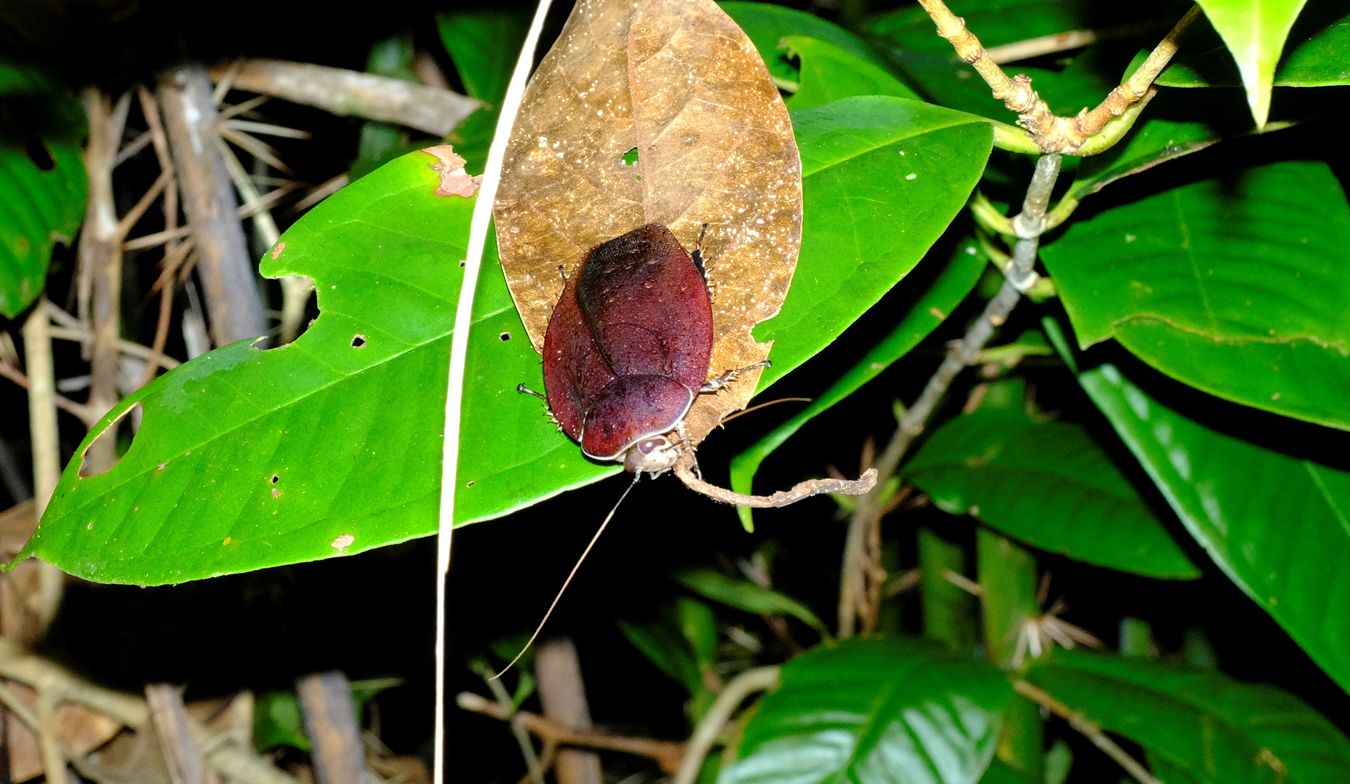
[1254, 32]
[42, 181]
[875, 711]
[766, 25]
[829, 72]
[1275, 522]
[330, 445]
[1049, 484]
[1210, 728]
[928, 304]
[869, 162]
[1234, 285]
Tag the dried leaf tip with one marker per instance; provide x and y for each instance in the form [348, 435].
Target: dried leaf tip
[684, 469]
[455, 181]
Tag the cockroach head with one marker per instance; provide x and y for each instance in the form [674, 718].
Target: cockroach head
[654, 455]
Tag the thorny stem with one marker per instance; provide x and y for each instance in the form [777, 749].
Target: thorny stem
[1089, 729]
[1051, 133]
[1019, 276]
[710, 727]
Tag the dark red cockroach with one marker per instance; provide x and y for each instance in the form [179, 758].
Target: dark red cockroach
[628, 347]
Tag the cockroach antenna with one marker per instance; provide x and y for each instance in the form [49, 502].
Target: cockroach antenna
[568, 581]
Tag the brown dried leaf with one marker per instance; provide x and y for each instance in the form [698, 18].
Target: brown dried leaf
[679, 82]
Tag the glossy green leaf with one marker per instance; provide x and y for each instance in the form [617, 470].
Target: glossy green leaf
[749, 596]
[1211, 728]
[1275, 522]
[278, 721]
[930, 300]
[483, 42]
[42, 181]
[1254, 32]
[1000, 772]
[330, 445]
[1315, 54]
[829, 72]
[1234, 285]
[868, 162]
[1048, 484]
[875, 711]
[766, 25]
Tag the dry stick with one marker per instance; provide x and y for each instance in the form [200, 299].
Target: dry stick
[223, 260]
[169, 715]
[100, 258]
[1051, 133]
[666, 753]
[717, 717]
[351, 93]
[48, 678]
[534, 769]
[1019, 276]
[685, 468]
[562, 694]
[1089, 729]
[174, 252]
[330, 722]
[78, 410]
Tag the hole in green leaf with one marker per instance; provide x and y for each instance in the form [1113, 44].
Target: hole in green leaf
[630, 158]
[358, 341]
[505, 336]
[38, 154]
[112, 430]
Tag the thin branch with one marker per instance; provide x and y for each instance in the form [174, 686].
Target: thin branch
[224, 265]
[80, 411]
[666, 753]
[1051, 133]
[718, 716]
[351, 93]
[562, 695]
[684, 469]
[1088, 728]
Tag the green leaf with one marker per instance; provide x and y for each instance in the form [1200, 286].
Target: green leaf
[830, 72]
[483, 43]
[1254, 32]
[279, 721]
[745, 595]
[1211, 728]
[868, 162]
[1048, 484]
[1233, 285]
[875, 711]
[330, 445]
[929, 302]
[766, 26]
[43, 187]
[1314, 54]
[1275, 522]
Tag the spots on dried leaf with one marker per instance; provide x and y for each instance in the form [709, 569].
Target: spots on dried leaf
[342, 542]
[358, 341]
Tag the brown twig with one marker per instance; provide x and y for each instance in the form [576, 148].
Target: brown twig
[85, 414]
[1051, 133]
[169, 717]
[351, 93]
[685, 467]
[666, 753]
[1088, 728]
[224, 265]
[1020, 276]
[562, 695]
[330, 722]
